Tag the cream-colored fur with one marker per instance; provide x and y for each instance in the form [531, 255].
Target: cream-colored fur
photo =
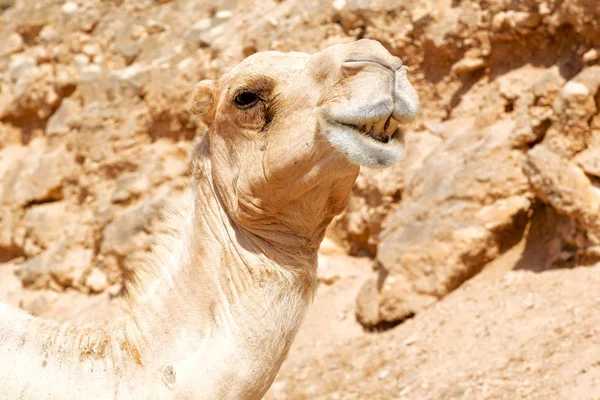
[213, 312]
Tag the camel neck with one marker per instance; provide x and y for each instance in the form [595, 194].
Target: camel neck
[217, 288]
[213, 312]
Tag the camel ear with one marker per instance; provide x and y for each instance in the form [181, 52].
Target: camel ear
[203, 101]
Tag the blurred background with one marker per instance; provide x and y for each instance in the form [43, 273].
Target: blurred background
[467, 271]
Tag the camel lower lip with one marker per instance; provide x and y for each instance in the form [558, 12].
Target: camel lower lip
[362, 148]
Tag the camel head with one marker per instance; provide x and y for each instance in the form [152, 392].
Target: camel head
[288, 131]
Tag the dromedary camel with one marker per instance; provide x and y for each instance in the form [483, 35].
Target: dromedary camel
[213, 312]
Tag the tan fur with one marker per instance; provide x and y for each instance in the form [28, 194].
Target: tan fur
[212, 313]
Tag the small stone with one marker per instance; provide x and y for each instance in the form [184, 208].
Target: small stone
[41, 55]
[69, 8]
[185, 64]
[544, 9]
[499, 21]
[589, 161]
[96, 281]
[207, 37]
[48, 33]
[223, 15]
[81, 60]
[12, 44]
[405, 391]
[43, 177]
[200, 26]
[114, 290]
[135, 75]
[67, 265]
[339, 4]
[575, 90]
[20, 65]
[590, 56]
[130, 185]
[154, 27]
[138, 32]
[325, 274]
[468, 64]
[525, 19]
[91, 49]
[90, 73]
[58, 124]
[411, 340]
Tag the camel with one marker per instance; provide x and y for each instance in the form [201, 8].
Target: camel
[212, 313]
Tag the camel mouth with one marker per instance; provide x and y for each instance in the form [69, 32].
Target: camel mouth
[376, 144]
[383, 131]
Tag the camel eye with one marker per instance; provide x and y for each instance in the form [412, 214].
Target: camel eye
[246, 100]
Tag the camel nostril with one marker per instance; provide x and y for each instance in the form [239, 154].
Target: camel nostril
[362, 63]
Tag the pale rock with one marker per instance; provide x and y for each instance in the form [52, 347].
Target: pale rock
[127, 237]
[35, 273]
[134, 76]
[21, 65]
[499, 21]
[543, 8]
[91, 49]
[115, 290]
[90, 73]
[9, 224]
[589, 161]
[500, 214]
[62, 265]
[199, 27]
[222, 16]
[44, 224]
[563, 185]
[186, 64]
[439, 236]
[468, 64]
[450, 128]
[590, 56]
[36, 304]
[59, 122]
[339, 4]
[154, 27]
[524, 19]
[69, 8]
[325, 273]
[209, 36]
[574, 90]
[41, 55]
[69, 264]
[96, 281]
[11, 290]
[48, 34]
[12, 44]
[130, 185]
[139, 32]
[376, 193]
[41, 178]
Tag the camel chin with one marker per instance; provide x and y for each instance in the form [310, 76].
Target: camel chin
[363, 146]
